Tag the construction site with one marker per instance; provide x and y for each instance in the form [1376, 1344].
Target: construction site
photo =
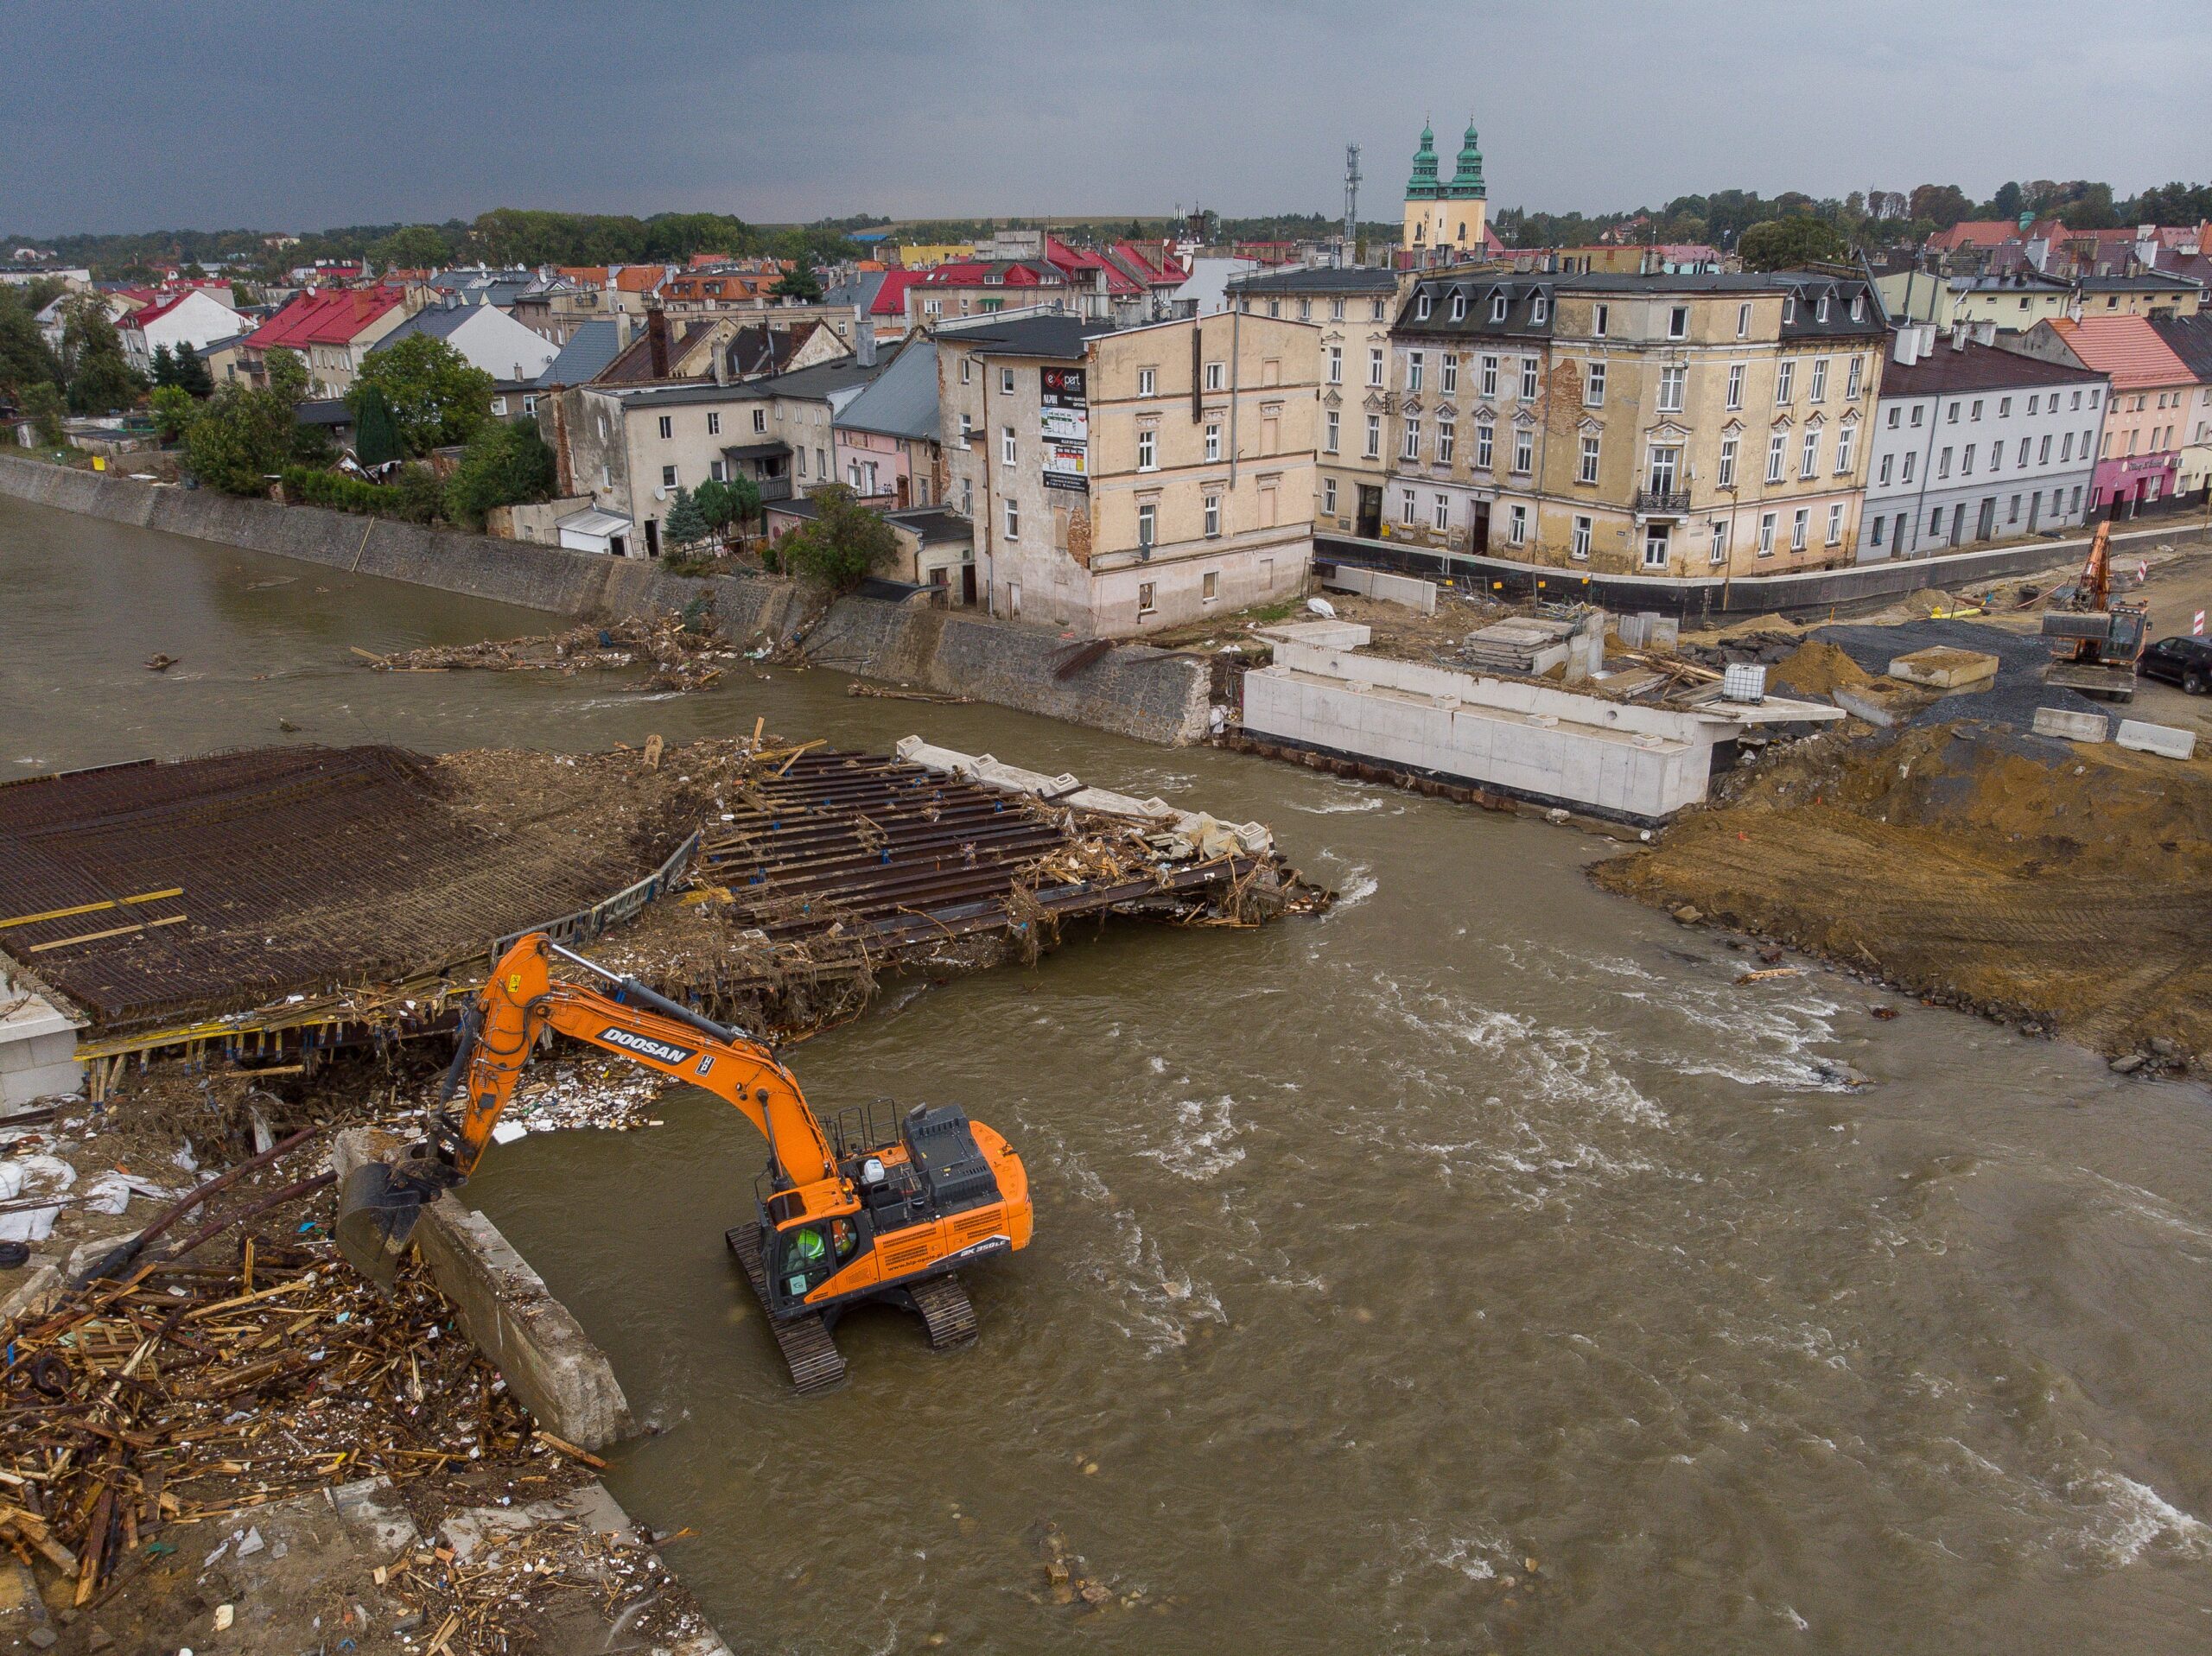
[216, 1427]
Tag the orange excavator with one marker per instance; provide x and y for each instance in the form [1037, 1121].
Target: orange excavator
[867, 1209]
[2094, 642]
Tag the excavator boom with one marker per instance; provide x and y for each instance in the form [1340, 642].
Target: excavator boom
[838, 1222]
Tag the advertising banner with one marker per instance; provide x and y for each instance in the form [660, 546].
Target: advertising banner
[1064, 422]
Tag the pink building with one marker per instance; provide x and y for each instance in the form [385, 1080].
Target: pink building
[2138, 458]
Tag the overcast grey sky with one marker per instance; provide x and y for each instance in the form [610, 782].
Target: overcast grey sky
[300, 115]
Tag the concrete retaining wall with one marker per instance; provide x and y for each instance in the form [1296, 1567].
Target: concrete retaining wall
[1133, 690]
[561, 1377]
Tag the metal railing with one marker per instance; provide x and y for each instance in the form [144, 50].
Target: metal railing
[1662, 500]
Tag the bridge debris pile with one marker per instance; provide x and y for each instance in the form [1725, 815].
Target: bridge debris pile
[680, 648]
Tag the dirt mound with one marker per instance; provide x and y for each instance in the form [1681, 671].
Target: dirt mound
[2034, 880]
[1816, 669]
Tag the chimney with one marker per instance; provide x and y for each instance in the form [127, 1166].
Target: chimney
[1905, 348]
[1985, 333]
[864, 342]
[657, 339]
[1958, 336]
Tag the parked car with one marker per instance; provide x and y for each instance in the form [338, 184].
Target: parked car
[2185, 662]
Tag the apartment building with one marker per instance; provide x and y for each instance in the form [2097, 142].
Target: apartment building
[1354, 310]
[2139, 453]
[1688, 424]
[1122, 481]
[1975, 443]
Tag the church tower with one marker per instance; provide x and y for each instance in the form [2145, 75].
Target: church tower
[1447, 214]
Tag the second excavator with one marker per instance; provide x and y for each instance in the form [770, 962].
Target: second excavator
[866, 1208]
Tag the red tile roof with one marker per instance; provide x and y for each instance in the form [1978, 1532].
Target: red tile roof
[641, 278]
[891, 297]
[2126, 347]
[1975, 233]
[154, 311]
[325, 316]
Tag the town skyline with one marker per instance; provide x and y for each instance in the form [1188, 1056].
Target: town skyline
[1129, 130]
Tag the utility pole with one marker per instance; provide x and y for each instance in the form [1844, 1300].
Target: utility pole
[1351, 199]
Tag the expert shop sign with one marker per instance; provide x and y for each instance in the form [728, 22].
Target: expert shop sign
[1064, 422]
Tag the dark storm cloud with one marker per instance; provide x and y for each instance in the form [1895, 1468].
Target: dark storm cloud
[125, 116]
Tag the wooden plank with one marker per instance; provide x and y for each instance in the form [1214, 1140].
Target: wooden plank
[92, 908]
[95, 936]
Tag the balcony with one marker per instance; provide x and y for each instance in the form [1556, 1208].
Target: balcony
[1662, 503]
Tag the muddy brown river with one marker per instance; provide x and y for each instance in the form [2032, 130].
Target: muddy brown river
[1486, 1220]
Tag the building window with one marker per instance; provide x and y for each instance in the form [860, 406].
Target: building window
[759, 420]
[1450, 371]
[1412, 448]
[1447, 435]
[1528, 379]
[1375, 311]
[1148, 451]
[1597, 317]
[1735, 384]
[1459, 304]
[1777, 448]
[1005, 382]
[1894, 411]
[1013, 518]
[1678, 322]
[2023, 459]
[1484, 456]
[1719, 553]
[1879, 523]
[1655, 537]
[1835, 522]
[1919, 408]
[1975, 414]
[1328, 495]
[1785, 383]
[1148, 381]
[1821, 310]
[1809, 460]
[2042, 451]
[1147, 597]
[667, 426]
[1801, 522]
[1744, 321]
[1210, 582]
[1587, 472]
[1789, 308]
[1846, 440]
[1375, 365]
[1421, 306]
[1336, 310]
[1408, 504]
[1818, 390]
[1906, 476]
[1593, 386]
[1951, 416]
[715, 471]
[668, 476]
[1540, 308]
[714, 422]
[1374, 436]
[2014, 515]
[1148, 524]
[2004, 407]
[1524, 450]
[1336, 364]
[1490, 376]
[1498, 307]
[1213, 511]
[1578, 545]
[1330, 428]
[1670, 388]
[1215, 376]
[1442, 512]
[1883, 480]
[1966, 461]
[1766, 534]
[1725, 477]
[1517, 525]
[1414, 366]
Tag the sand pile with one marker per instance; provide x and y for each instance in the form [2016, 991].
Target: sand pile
[1816, 669]
[2056, 886]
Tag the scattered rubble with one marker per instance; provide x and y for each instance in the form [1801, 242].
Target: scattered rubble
[680, 648]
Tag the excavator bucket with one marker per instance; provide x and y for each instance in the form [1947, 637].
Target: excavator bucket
[376, 1221]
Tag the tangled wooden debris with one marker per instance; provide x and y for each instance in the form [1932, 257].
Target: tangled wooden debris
[680, 648]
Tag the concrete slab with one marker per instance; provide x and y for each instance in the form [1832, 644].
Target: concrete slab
[561, 1377]
[38, 1046]
[1945, 669]
[2163, 739]
[2073, 726]
[1411, 591]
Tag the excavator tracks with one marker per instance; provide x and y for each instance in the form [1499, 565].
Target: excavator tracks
[942, 1304]
[808, 1349]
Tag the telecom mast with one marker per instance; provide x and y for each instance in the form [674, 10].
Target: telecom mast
[1351, 199]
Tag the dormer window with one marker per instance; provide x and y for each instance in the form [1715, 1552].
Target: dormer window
[1788, 307]
[1820, 311]
[1460, 305]
[1859, 308]
[1420, 307]
[1498, 307]
[1538, 308]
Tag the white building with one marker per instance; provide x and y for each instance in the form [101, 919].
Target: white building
[489, 338]
[187, 323]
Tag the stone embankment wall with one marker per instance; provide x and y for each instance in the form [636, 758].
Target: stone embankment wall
[1133, 690]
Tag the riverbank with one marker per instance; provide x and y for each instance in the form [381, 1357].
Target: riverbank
[1130, 690]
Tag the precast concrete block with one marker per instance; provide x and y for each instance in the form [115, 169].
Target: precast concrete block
[2162, 740]
[2073, 727]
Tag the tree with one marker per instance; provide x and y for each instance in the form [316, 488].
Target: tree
[1784, 244]
[100, 377]
[1946, 204]
[164, 367]
[193, 374]
[685, 524]
[842, 545]
[43, 407]
[287, 374]
[434, 395]
[174, 410]
[2006, 203]
[25, 358]
[411, 247]
[376, 433]
[241, 439]
[505, 464]
[799, 283]
[723, 504]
